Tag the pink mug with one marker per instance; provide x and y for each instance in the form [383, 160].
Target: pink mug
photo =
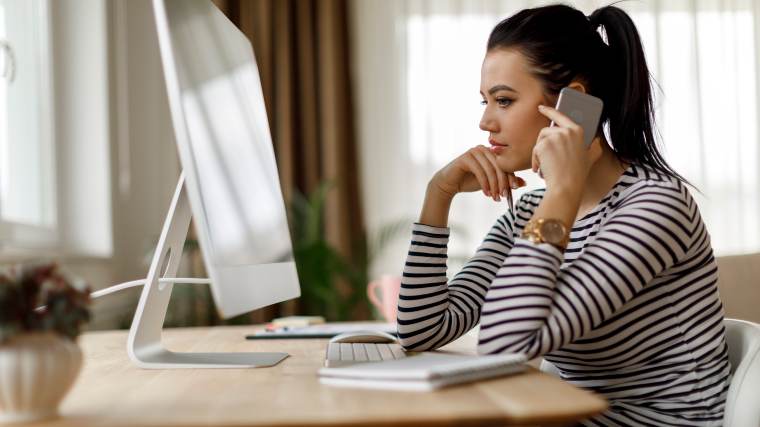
[389, 288]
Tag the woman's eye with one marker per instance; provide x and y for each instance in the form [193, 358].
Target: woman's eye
[503, 102]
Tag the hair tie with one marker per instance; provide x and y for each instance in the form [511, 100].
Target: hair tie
[594, 23]
[593, 19]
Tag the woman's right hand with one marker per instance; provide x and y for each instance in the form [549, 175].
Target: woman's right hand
[476, 169]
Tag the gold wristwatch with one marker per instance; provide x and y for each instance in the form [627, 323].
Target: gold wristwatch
[546, 230]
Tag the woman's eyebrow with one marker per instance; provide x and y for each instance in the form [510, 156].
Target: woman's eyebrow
[498, 88]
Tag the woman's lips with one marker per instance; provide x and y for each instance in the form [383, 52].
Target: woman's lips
[496, 144]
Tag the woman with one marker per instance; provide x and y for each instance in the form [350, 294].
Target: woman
[608, 272]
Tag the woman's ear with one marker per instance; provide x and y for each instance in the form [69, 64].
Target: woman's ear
[577, 86]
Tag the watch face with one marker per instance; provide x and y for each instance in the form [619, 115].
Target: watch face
[553, 231]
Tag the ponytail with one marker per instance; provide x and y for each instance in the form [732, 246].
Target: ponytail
[629, 104]
[563, 45]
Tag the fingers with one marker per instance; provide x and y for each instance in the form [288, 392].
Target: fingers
[515, 181]
[563, 128]
[536, 163]
[503, 180]
[473, 166]
[552, 133]
[492, 189]
[557, 117]
[483, 164]
[506, 180]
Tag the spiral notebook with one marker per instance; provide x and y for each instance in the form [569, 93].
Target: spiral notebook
[423, 372]
[326, 330]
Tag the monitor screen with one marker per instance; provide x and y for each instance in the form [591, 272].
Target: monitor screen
[225, 146]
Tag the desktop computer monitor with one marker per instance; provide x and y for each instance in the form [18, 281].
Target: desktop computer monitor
[229, 185]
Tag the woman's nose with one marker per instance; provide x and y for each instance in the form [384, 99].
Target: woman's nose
[487, 123]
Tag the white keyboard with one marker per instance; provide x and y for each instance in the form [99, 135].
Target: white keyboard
[340, 354]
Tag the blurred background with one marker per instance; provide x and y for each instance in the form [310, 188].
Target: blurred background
[366, 100]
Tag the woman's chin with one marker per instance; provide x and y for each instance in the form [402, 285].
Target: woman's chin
[512, 167]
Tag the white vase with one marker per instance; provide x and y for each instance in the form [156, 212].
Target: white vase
[36, 371]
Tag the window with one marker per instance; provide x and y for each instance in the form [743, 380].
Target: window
[27, 194]
[55, 196]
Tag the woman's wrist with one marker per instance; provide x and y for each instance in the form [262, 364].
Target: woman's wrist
[435, 209]
[438, 190]
[560, 203]
[568, 192]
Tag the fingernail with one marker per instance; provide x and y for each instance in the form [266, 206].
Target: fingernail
[487, 193]
[514, 186]
[541, 107]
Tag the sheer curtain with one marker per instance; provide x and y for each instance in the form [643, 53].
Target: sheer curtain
[417, 76]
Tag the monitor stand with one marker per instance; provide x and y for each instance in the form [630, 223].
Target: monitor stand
[144, 345]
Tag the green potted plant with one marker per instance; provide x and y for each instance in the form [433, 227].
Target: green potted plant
[41, 313]
[320, 265]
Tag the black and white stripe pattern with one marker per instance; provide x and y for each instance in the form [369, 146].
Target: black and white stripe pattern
[630, 310]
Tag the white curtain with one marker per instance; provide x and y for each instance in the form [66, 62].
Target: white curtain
[417, 77]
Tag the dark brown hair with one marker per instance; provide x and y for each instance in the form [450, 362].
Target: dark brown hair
[563, 45]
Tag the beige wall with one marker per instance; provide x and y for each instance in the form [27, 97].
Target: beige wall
[739, 285]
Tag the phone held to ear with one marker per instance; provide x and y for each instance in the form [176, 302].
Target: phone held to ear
[583, 109]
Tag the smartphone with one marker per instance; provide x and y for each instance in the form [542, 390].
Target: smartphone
[583, 109]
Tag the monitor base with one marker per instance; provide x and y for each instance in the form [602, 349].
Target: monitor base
[144, 344]
[165, 359]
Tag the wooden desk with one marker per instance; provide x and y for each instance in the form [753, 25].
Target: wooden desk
[111, 391]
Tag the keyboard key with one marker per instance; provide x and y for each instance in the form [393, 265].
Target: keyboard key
[333, 351]
[385, 352]
[397, 351]
[346, 351]
[360, 354]
[372, 352]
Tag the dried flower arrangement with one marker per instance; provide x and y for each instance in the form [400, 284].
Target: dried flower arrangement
[39, 298]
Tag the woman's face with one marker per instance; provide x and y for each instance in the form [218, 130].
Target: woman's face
[511, 96]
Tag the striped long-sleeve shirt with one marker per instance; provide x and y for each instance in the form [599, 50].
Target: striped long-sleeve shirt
[630, 310]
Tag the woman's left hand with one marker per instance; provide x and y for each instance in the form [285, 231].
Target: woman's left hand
[560, 154]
